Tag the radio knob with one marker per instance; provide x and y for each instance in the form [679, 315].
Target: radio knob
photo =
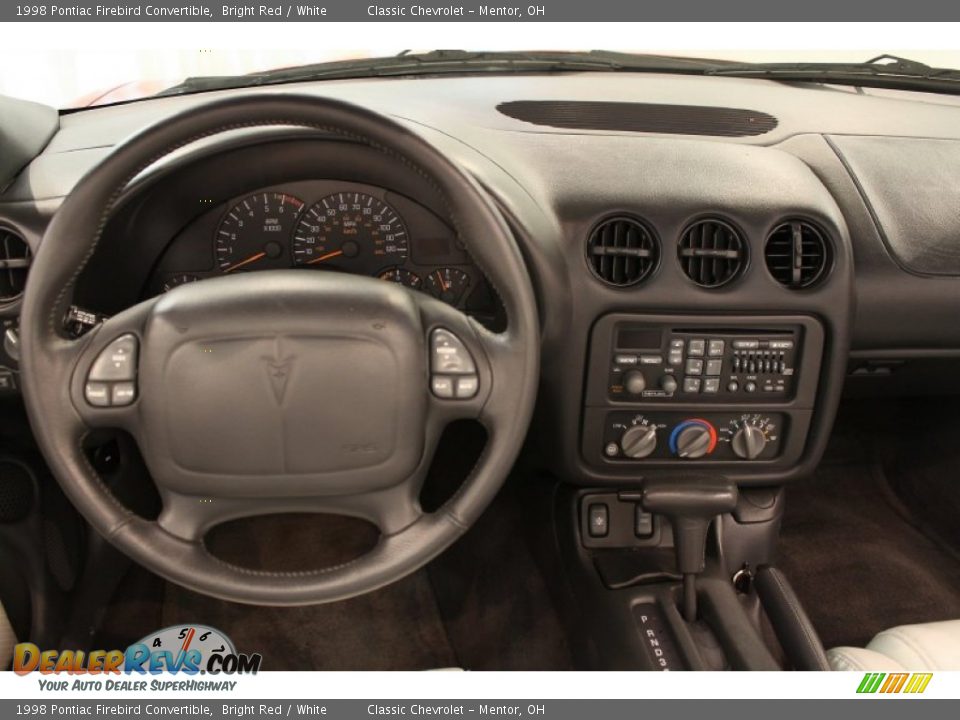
[634, 382]
[749, 442]
[668, 383]
[639, 441]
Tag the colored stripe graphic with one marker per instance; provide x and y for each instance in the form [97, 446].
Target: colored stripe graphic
[912, 683]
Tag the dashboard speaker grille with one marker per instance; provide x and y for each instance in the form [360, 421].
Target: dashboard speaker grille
[712, 253]
[14, 264]
[641, 117]
[797, 254]
[622, 251]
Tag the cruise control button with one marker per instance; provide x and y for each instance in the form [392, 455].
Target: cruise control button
[467, 386]
[449, 355]
[123, 393]
[442, 386]
[117, 361]
[97, 394]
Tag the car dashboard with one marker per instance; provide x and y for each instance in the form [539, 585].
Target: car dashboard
[705, 291]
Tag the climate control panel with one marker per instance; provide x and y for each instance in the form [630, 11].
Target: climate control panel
[743, 436]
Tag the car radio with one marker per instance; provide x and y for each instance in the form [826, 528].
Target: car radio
[666, 363]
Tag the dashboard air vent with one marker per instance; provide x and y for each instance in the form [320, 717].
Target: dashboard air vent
[622, 251]
[14, 263]
[797, 254]
[712, 253]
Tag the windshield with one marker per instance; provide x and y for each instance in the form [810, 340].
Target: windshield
[69, 79]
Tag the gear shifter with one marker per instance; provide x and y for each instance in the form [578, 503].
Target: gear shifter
[691, 502]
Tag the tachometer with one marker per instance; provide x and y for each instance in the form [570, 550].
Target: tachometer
[350, 231]
[255, 233]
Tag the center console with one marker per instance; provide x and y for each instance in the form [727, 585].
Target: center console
[724, 392]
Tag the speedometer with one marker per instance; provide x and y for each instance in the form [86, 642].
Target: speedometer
[350, 231]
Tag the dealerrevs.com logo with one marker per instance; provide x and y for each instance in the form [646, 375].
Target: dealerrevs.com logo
[187, 649]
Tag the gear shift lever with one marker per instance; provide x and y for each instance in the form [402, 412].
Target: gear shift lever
[691, 502]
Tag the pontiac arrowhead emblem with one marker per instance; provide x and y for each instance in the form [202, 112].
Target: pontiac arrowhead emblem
[279, 373]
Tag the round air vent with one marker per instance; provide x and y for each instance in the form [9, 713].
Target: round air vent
[622, 251]
[712, 253]
[14, 264]
[797, 254]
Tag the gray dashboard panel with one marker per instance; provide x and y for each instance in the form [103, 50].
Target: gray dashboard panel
[912, 188]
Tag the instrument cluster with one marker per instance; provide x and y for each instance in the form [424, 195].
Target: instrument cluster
[331, 226]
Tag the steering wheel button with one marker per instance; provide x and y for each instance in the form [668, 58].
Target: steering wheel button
[123, 393]
[449, 355]
[467, 386]
[442, 386]
[117, 361]
[97, 394]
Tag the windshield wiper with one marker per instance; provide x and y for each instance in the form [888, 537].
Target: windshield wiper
[448, 62]
[883, 71]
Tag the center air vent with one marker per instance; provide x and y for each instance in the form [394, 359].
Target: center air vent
[797, 254]
[712, 253]
[622, 251]
[14, 263]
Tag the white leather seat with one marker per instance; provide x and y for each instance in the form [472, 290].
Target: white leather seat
[931, 646]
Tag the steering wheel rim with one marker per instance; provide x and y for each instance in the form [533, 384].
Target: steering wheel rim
[54, 367]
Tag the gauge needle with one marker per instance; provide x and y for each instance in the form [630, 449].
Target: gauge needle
[335, 253]
[252, 258]
[444, 285]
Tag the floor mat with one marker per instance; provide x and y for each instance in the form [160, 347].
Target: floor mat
[853, 553]
[396, 628]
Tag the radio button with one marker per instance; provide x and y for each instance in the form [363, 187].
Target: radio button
[694, 366]
[714, 367]
[691, 385]
[715, 348]
[697, 347]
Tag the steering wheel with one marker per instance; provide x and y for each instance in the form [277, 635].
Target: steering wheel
[279, 391]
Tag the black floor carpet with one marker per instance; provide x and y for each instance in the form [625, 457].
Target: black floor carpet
[482, 605]
[855, 555]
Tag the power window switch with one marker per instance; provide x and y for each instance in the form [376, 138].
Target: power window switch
[598, 520]
[643, 525]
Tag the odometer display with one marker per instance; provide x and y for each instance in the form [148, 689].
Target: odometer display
[351, 231]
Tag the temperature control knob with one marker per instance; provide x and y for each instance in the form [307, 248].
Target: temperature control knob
[634, 382]
[693, 439]
[639, 441]
[749, 442]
